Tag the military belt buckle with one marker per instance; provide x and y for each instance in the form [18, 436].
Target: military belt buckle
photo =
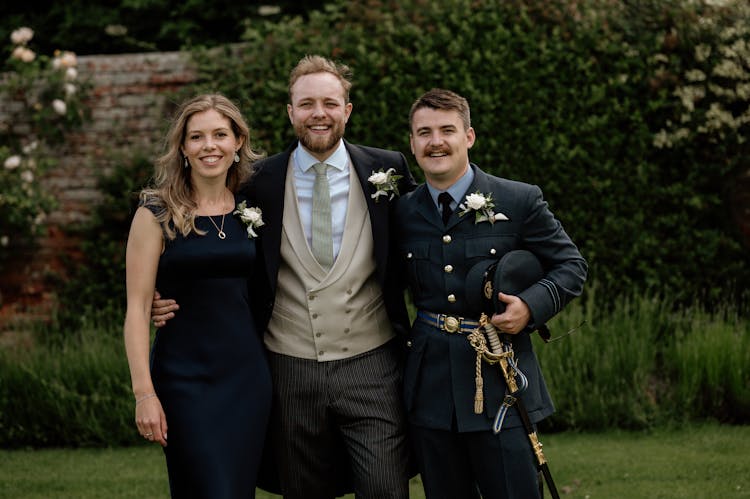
[450, 324]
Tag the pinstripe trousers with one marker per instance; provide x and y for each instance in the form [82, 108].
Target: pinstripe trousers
[340, 418]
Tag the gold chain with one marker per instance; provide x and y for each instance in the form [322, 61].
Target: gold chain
[222, 235]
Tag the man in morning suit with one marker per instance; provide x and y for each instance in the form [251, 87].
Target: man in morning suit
[335, 363]
[457, 452]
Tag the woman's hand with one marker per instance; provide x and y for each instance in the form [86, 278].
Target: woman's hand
[150, 419]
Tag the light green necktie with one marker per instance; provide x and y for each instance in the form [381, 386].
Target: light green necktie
[322, 230]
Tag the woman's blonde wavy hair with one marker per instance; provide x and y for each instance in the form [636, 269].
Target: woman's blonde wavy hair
[172, 191]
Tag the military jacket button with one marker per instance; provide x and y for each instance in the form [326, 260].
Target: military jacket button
[493, 251]
[451, 298]
[448, 268]
[447, 239]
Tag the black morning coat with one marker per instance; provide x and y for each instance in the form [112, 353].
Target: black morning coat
[266, 190]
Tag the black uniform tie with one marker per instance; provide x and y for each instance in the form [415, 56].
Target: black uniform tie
[445, 199]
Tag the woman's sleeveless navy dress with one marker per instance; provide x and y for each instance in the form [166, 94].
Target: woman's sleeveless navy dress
[208, 364]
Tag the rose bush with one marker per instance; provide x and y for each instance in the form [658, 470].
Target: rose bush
[41, 99]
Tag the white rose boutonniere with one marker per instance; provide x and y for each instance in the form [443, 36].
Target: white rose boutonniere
[385, 183]
[252, 217]
[482, 206]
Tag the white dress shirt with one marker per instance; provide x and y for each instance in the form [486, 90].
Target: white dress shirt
[338, 184]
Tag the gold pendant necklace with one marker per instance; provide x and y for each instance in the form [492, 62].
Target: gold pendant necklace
[222, 235]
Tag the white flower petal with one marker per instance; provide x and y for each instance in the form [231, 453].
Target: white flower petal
[475, 201]
[12, 162]
[22, 35]
[378, 178]
[59, 106]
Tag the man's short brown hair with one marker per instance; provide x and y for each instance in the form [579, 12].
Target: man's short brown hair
[444, 100]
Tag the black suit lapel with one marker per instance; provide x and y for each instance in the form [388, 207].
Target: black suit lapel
[364, 165]
[269, 187]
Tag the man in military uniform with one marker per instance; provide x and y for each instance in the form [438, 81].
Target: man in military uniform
[441, 238]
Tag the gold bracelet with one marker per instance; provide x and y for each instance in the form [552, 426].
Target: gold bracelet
[147, 396]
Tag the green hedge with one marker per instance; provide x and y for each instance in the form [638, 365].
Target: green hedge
[640, 365]
[568, 95]
[584, 101]
[118, 26]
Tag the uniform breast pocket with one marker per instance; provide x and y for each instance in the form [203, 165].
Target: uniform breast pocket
[416, 256]
[491, 246]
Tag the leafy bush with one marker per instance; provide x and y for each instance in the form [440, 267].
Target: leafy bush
[637, 366]
[581, 98]
[585, 99]
[111, 27]
[42, 100]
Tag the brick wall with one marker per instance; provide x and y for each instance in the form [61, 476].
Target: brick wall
[131, 100]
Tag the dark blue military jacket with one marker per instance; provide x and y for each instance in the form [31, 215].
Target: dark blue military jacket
[439, 380]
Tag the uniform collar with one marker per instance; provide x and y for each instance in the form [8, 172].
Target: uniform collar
[457, 190]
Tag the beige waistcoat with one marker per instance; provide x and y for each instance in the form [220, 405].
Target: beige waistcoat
[327, 315]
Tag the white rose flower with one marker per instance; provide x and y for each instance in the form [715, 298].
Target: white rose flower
[483, 208]
[70, 90]
[21, 36]
[378, 178]
[31, 146]
[12, 162]
[68, 60]
[59, 106]
[252, 215]
[23, 54]
[27, 176]
[475, 201]
[28, 55]
[71, 74]
[385, 182]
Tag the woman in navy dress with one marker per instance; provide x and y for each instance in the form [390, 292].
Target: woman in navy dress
[204, 391]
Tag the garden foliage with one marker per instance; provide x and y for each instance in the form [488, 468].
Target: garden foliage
[641, 365]
[632, 116]
[120, 26]
[41, 98]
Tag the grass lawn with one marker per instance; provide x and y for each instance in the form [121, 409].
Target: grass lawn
[709, 461]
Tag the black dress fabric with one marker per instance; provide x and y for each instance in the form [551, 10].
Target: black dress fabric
[208, 364]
